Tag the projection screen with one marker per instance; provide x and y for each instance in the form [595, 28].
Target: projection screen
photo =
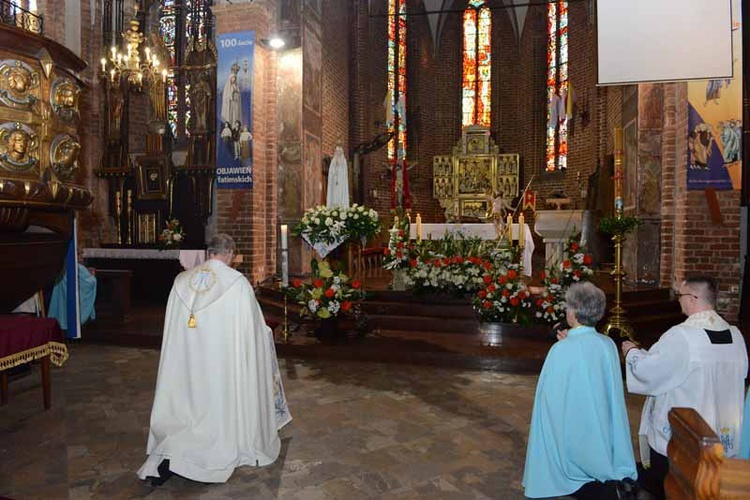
[663, 40]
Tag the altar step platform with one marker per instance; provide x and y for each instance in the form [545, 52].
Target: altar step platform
[406, 328]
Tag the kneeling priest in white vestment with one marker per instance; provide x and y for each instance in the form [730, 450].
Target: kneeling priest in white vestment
[219, 400]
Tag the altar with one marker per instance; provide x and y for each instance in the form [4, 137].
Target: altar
[153, 271]
[483, 231]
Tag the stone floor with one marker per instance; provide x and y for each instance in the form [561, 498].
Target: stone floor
[360, 430]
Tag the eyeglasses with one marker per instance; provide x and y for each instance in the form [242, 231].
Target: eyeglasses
[677, 295]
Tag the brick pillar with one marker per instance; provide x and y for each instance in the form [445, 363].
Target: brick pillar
[250, 215]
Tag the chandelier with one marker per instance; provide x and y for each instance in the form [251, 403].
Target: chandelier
[132, 64]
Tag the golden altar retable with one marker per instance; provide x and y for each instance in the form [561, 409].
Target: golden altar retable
[465, 182]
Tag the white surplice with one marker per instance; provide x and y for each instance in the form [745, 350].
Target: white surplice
[219, 400]
[685, 369]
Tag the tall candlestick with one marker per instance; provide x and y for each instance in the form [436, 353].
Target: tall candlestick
[510, 228]
[284, 267]
[619, 174]
[419, 227]
[521, 232]
[284, 231]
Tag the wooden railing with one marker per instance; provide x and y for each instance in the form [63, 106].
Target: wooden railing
[366, 265]
[697, 466]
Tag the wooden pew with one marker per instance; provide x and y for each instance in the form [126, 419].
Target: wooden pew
[697, 466]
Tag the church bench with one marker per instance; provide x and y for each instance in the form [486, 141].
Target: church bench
[697, 466]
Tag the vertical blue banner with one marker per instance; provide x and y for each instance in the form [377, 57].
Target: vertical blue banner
[73, 326]
[234, 110]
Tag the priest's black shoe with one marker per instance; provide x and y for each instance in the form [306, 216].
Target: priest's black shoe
[164, 473]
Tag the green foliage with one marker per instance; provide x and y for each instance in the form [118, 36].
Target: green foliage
[619, 225]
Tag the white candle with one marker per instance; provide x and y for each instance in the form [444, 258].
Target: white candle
[510, 228]
[284, 230]
[521, 231]
[419, 227]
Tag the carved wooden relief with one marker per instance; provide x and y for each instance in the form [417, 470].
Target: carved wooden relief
[64, 98]
[64, 156]
[19, 147]
[18, 81]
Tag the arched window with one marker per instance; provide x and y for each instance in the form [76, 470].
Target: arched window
[397, 77]
[179, 23]
[477, 64]
[559, 103]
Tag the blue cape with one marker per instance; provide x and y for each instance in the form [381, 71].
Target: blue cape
[86, 294]
[579, 425]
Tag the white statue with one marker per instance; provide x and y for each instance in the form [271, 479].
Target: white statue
[338, 181]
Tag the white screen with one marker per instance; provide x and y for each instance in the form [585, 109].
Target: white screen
[663, 40]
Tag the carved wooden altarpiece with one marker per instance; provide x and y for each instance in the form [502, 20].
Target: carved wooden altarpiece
[465, 182]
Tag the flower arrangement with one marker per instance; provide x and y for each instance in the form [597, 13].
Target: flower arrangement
[172, 234]
[503, 297]
[330, 294]
[455, 275]
[329, 225]
[400, 250]
[576, 267]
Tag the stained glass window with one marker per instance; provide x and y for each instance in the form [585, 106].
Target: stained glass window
[178, 25]
[559, 103]
[477, 65]
[397, 76]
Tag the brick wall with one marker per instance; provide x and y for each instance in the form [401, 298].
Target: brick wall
[336, 87]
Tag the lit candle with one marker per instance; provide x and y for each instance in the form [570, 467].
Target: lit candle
[104, 65]
[112, 74]
[163, 75]
[510, 228]
[521, 231]
[419, 227]
[114, 51]
[284, 231]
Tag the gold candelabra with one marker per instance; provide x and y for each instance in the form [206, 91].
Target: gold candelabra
[132, 64]
[618, 324]
[118, 216]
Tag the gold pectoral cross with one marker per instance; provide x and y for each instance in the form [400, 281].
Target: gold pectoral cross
[191, 321]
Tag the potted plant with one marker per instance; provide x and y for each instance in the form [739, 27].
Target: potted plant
[619, 226]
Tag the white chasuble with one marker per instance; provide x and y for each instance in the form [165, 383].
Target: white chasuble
[219, 400]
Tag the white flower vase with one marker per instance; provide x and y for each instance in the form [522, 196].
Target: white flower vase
[399, 280]
[491, 333]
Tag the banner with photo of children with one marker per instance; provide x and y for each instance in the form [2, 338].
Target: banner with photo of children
[234, 110]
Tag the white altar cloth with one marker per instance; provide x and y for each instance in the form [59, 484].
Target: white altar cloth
[484, 231]
[188, 258]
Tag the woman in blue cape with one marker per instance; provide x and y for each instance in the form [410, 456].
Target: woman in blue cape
[579, 441]
[58, 307]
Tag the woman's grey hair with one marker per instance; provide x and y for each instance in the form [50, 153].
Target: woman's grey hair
[587, 302]
[220, 244]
